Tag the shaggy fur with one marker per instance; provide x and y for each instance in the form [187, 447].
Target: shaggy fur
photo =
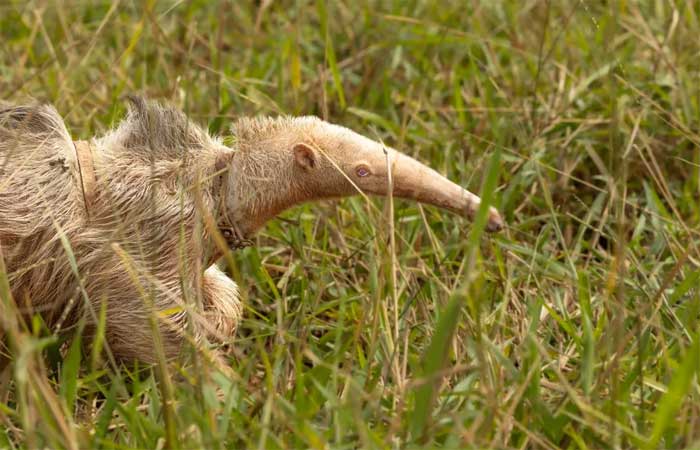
[143, 250]
[145, 208]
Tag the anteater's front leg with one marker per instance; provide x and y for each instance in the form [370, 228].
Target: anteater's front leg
[129, 332]
[222, 305]
[222, 312]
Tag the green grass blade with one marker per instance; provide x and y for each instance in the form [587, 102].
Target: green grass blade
[674, 397]
[436, 355]
[70, 372]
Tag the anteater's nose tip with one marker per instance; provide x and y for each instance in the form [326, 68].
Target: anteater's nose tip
[495, 222]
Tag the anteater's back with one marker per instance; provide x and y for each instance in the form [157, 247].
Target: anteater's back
[38, 191]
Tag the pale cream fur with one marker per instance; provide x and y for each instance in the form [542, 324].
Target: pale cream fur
[157, 181]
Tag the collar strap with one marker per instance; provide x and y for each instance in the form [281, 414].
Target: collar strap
[227, 227]
[86, 173]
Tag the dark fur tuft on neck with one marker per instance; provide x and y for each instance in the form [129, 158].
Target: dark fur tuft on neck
[162, 129]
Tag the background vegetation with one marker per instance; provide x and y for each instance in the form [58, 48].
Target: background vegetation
[575, 328]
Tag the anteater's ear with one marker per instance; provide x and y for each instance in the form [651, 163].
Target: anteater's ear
[305, 156]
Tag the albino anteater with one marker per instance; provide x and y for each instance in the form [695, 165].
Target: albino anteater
[142, 208]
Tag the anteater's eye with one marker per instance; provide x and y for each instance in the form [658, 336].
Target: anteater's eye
[362, 171]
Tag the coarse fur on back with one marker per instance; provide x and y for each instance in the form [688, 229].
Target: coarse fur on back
[155, 172]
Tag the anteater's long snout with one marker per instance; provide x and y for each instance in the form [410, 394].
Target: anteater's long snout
[416, 181]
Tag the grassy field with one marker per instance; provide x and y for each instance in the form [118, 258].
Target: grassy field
[575, 328]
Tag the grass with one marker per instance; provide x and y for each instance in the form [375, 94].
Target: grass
[377, 327]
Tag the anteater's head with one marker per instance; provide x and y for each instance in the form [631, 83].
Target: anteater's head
[286, 161]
